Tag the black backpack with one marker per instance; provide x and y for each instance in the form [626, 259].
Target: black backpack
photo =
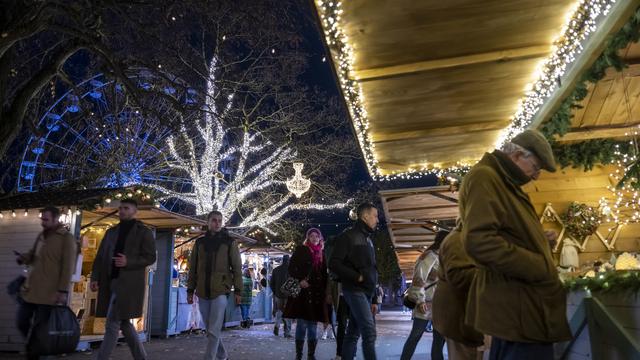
[328, 251]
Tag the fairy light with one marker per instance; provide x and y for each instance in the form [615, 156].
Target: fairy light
[566, 47]
[623, 206]
[251, 171]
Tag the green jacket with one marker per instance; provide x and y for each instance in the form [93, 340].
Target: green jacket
[215, 266]
[51, 265]
[247, 291]
[456, 273]
[516, 294]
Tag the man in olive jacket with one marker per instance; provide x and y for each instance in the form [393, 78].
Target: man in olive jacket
[214, 268]
[52, 260]
[119, 274]
[516, 295]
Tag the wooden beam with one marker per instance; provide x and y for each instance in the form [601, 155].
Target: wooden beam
[385, 137]
[600, 132]
[592, 48]
[502, 55]
[434, 207]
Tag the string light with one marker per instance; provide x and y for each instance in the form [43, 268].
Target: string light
[624, 205]
[566, 47]
[205, 162]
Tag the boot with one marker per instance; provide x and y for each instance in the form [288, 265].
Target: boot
[243, 324]
[276, 330]
[299, 348]
[311, 352]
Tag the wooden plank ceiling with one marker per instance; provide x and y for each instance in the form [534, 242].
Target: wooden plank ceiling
[412, 217]
[441, 78]
[611, 108]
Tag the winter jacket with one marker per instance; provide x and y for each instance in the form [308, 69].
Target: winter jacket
[455, 275]
[354, 256]
[215, 266]
[247, 291]
[140, 250]
[310, 303]
[424, 274]
[51, 265]
[516, 294]
[278, 277]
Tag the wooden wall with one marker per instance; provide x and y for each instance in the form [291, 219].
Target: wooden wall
[18, 234]
[568, 185]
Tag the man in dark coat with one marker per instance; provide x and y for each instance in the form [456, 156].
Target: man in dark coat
[516, 295]
[215, 267]
[278, 278]
[354, 262]
[119, 275]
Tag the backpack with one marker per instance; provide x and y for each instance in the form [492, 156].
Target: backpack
[329, 245]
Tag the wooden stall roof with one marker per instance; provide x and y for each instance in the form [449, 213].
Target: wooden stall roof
[612, 105]
[440, 79]
[411, 217]
[156, 217]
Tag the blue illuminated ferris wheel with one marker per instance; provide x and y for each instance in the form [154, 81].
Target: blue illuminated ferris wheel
[96, 136]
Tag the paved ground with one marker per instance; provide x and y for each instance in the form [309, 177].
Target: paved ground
[260, 343]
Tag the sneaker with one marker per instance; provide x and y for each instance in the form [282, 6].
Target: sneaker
[288, 336]
[276, 331]
[324, 336]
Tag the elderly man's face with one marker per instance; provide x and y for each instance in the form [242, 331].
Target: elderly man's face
[528, 163]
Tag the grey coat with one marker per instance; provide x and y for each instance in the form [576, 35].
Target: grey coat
[129, 287]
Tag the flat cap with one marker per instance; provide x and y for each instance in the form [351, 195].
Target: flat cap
[535, 142]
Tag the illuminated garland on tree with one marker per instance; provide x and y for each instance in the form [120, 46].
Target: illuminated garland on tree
[203, 154]
[609, 282]
[566, 48]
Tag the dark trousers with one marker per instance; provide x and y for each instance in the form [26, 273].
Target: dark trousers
[341, 316]
[25, 318]
[418, 328]
[510, 350]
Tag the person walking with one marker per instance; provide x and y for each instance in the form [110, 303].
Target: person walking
[118, 275]
[354, 262]
[516, 295]
[278, 277]
[51, 263]
[334, 291]
[424, 275]
[215, 267]
[246, 298]
[455, 275]
[308, 266]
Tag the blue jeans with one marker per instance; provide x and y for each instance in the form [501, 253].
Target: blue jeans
[308, 328]
[212, 311]
[244, 311]
[360, 322]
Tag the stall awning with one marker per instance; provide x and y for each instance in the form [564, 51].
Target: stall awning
[414, 215]
[156, 217]
[431, 84]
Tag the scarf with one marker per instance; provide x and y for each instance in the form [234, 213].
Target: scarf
[316, 250]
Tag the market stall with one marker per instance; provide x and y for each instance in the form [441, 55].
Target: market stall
[88, 214]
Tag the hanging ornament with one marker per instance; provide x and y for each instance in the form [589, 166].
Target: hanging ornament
[298, 184]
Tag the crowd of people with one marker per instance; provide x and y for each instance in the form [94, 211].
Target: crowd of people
[489, 283]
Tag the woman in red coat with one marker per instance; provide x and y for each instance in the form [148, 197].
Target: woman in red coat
[308, 266]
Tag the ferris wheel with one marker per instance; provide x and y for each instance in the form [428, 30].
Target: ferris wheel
[95, 135]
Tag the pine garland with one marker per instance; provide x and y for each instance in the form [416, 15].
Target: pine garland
[607, 282]
[588, 153]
